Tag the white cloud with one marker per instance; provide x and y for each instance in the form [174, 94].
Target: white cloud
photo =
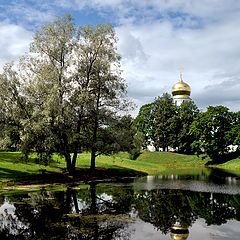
[209, 55]
[14, 42]
[28, 15]
[155, 38]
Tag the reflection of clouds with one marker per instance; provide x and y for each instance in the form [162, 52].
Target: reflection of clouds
[230, 185]
[229, 230]
[146, 231]
[102, 198]
[7, 207]
[8, 216]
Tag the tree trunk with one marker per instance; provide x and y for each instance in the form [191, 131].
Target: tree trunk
[68, 163]
[76, 147]
[67, 155]
[93, 148]
[93, 206]
[95, 128]
[93, 158]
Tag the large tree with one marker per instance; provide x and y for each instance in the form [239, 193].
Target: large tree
[73, 84]
[106, 89]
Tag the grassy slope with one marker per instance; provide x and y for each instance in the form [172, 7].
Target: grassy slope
[233, 165]
[152, 163]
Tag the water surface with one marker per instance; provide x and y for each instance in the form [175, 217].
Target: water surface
[200, 206]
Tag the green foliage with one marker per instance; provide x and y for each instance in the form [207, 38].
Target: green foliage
[66, 94]
[144, 122]
[134, 153]
[164, 112]
[185, 130]
[186, 114]
[10, 141]
[166, 124]
[213, 132]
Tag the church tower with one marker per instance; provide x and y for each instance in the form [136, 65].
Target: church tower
[181, 92]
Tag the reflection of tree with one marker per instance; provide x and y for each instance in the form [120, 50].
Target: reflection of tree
[101, 212]
[102, 217]
[37, 216]
[164, 208]
[2, 199]
[215, 208]
[60, 215]
[106, 200]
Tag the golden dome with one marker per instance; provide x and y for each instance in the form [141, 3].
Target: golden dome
[181, 89]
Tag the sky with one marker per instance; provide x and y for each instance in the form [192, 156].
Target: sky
[155, 38]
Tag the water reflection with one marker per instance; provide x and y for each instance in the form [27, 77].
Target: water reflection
[179, 233]
[118, 211]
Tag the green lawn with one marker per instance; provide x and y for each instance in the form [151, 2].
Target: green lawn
[233, 166]
[12, 168]
[153, 162]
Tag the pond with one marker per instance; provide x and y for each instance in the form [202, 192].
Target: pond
[201, 206]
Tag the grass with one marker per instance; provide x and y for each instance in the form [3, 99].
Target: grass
[232, 165]
[13, 169]
[153, 163]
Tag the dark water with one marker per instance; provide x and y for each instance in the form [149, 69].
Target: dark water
[204, 206]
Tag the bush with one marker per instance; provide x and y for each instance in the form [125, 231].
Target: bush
[134, 153]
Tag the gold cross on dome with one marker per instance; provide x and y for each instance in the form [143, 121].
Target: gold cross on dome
[181, 70]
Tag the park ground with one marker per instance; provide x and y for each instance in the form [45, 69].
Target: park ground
[15, 171]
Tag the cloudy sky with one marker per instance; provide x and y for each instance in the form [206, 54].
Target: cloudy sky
[156, 37]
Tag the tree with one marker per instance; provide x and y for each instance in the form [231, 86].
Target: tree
[144, 122]
[164, 112]
[186, 113]
[118, 135]
[106, 89]
[127, 137]
[12, 108]
[53, 122]
[213, 132]
[73, 86]
[236, 130]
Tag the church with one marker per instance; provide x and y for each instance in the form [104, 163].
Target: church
[181, 92]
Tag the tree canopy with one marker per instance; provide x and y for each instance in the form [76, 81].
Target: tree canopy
[184, 129]
[213, 132]
[167, 125]
[67, 93]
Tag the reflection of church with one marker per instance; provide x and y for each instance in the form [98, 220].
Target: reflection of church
[179, 233]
